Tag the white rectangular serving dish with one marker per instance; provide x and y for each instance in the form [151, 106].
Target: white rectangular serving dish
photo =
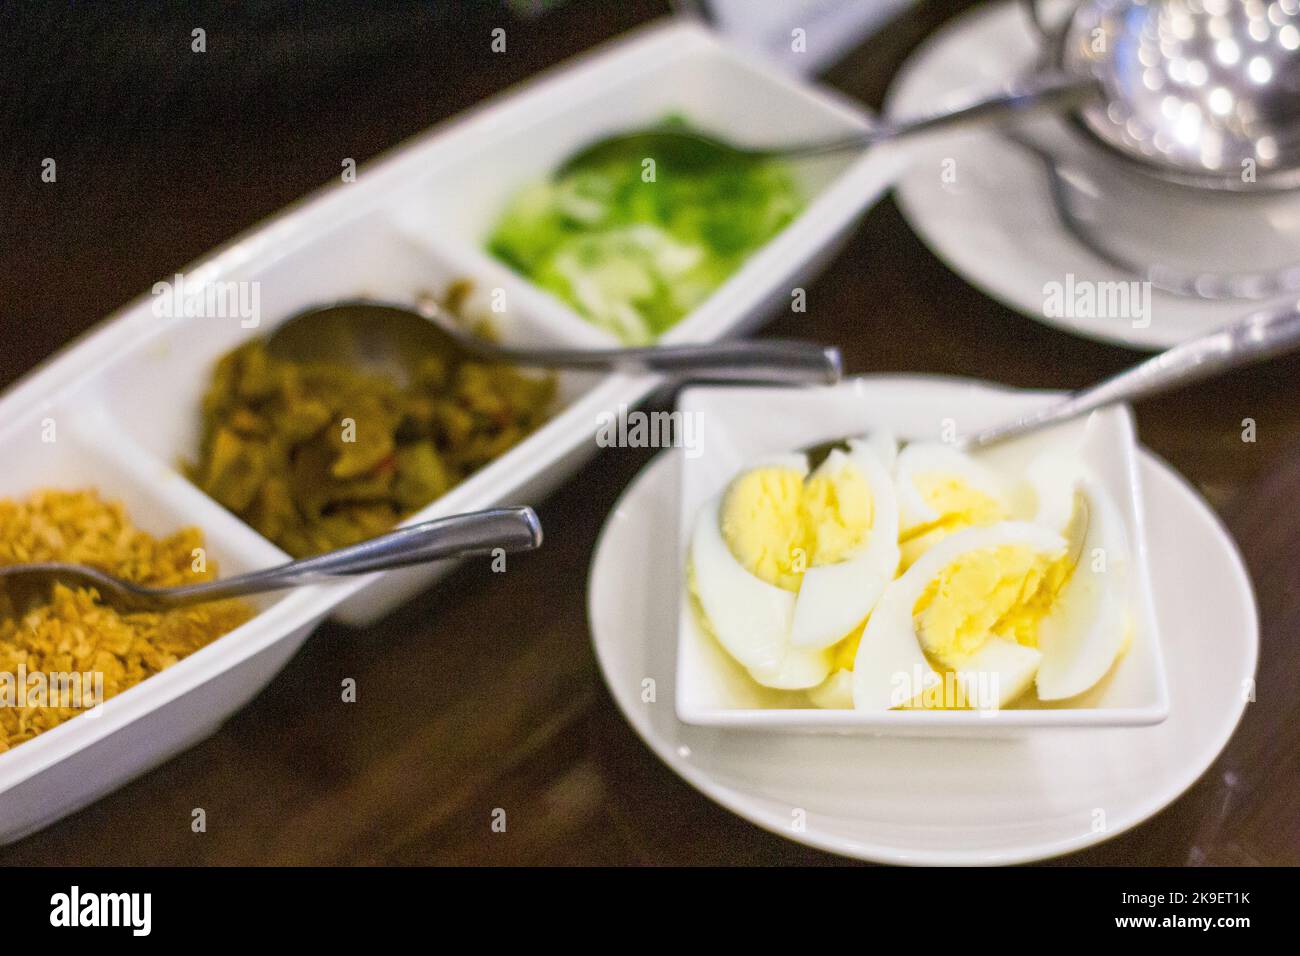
[124, 398]
[738, 426]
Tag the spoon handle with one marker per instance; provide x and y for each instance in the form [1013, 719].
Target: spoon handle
[478, 532]
[1048, 90]
[1252, 339]
[770, 360]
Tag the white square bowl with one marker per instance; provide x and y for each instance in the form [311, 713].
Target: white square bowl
[736, 426]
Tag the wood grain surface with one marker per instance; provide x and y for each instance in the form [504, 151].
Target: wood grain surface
[480, 694]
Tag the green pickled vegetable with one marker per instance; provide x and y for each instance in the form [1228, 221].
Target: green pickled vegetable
[317, 456]
[634, 246]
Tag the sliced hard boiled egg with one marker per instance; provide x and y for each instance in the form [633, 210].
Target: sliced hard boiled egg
[996, 674]
[1087, 627]
[852, 521]
[965, 592]
[750, 617]
[745, 572]
[942, 490]
[747, 610]
[798, 669]
[885, 445]
[1053, 477]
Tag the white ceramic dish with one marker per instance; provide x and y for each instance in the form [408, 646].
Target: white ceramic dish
[124, 399]
[738, 426]
[680, 68]
[992, 221]
[918, 800]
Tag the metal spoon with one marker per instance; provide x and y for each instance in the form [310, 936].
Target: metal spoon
[690, 149]
[392, 339]
[479, 532]
[1200, 94]
[1259, 336]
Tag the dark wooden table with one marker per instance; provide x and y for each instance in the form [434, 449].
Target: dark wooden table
[163, 154]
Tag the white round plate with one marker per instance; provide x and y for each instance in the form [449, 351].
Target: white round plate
[995, 225]
[940, 801]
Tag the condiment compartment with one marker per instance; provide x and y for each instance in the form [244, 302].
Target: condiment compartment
[62, 445]
[682, 70]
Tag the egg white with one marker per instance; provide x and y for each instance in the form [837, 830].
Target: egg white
[1086, 628]
[798, 669]
[1053, 477]
[885, 445]
[835, 598]
[998, 673]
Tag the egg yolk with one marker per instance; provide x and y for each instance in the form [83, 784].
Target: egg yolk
[777, 525]
[1004, 592]
[762, 524]
[836, 510]
[959, 506]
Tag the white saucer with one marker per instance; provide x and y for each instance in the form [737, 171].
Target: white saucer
[996, 226]
[937, 801]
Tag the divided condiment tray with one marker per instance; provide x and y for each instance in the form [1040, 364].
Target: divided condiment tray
[122, 404]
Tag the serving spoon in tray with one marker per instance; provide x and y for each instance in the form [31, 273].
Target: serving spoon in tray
[477, 532]
[392, 339]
